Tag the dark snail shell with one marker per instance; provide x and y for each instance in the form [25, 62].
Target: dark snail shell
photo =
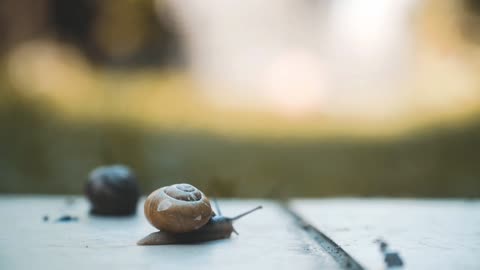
[178, 208]
[112, 190]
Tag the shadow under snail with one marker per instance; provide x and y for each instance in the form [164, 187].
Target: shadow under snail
[183, 215]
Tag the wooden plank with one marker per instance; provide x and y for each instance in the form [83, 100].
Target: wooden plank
[269, 239]
[426, 234]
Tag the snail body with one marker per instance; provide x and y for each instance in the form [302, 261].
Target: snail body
[183, 222]
[218, 227]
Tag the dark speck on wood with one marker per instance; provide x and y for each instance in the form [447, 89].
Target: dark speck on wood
[393, 259]
[383, 246]
[67, 218]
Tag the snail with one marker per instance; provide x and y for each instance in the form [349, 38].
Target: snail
[112, 190]
[183, 215]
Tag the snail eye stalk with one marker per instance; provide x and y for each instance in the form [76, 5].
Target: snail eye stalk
[217, 206]
[246, 213]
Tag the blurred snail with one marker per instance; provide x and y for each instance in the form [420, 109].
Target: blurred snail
[112, 190]
[183, 214]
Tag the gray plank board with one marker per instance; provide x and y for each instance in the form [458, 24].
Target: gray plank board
[268, 239]
[427, 234]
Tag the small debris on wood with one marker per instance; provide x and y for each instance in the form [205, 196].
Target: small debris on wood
[67, 218]
[391, 258]
[383, 246]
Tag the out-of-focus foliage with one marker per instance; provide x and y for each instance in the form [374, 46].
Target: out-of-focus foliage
[86, 83]
[49, 147]
[119, 33]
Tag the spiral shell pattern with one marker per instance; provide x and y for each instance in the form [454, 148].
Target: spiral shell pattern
[178, 208]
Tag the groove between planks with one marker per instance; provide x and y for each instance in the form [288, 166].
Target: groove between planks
[339, 254]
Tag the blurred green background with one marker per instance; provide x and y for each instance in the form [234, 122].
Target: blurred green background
[87, 83]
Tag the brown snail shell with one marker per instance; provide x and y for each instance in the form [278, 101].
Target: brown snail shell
[178, 208]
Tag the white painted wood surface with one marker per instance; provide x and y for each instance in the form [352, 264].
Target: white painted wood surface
[268, 240]
[428, 234]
